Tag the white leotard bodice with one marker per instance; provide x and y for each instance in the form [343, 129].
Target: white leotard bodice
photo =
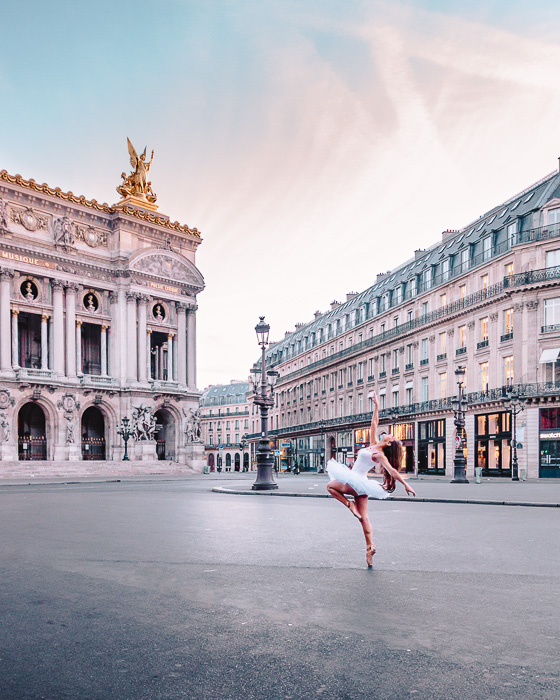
[365, 461]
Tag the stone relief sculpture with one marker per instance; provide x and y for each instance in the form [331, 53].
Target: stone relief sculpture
[136, 184]
[69, 428]
[28, 219]
[64, 232]
[167, 267]
[144, 423]
[4, 424]
[6, 400]
[3, 217]
[192, 427]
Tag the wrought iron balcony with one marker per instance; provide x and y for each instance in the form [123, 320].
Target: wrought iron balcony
[424, 361]
[483, 344]
[461, 351]
[506, 336]
[550, 329]
[395, 370]
[442, 356]
[414, 410]
[382, 375]
[409, 366]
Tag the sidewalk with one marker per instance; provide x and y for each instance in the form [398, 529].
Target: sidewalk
[490, 492]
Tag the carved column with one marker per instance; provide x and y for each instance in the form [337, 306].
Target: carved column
[5, 354]
[15, 339]
[191, 347]
[131, 337]
[170, 356]
[149, 353]
[58, 327]
[181, 360]
[79, 368]
[44, 341]
[71, 290]
[141, 349]
[104, 351]
[114, 347]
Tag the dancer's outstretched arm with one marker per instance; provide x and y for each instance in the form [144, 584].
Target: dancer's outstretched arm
[386, 465]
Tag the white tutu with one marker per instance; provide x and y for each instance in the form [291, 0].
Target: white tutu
[357, 480]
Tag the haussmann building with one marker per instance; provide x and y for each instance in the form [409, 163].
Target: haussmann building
[97, 325]
[485, 298]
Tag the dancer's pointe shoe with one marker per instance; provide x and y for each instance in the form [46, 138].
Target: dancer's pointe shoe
[370, 551]
[355, 512]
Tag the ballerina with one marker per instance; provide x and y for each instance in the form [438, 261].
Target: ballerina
[386, 454]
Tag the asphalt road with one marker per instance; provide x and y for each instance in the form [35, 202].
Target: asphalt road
[166, 590]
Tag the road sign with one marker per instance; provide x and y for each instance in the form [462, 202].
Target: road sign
[221, 447]
[277, 453]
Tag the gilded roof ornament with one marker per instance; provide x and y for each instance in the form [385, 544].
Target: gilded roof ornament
[135, 188]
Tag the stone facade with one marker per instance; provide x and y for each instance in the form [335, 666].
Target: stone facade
[224, 422]
[486, 298]
[97, 322]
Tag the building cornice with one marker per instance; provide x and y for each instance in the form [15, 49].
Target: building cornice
[70, 197]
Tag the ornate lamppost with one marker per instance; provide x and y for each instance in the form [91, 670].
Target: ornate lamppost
[125, 431]
[515, 403]
[459, 409]
[243, 444]
[321, 469]
[263, 398]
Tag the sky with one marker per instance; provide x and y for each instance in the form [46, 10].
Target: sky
[313, 143]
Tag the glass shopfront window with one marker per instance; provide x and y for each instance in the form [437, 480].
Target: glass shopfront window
[431, 447]
[493, 443]
[549, 443]
[405, 433]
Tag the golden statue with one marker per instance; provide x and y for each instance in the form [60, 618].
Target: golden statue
[136, 185]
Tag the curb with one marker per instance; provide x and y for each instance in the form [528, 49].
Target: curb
[470, 501]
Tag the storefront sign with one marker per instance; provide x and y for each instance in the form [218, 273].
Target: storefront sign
[550, 436]
[28, 259]
[165, 287]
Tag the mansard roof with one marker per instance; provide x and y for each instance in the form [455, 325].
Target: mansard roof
[514, 209]
[225, 394]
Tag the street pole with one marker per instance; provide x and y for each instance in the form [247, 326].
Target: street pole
[515, 404]
[265, 457]
[459, 462]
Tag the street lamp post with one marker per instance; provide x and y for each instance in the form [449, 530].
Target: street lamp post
[263, 398]
[243, 444]
[321, 469]
[125, 431]
[515, 404]
[459, 409]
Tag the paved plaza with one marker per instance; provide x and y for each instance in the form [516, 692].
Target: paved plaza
[163, 589]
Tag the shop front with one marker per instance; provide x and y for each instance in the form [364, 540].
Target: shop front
[361, 440]
[405, 433]
[549, 443]
[431, 447]
[493, 443]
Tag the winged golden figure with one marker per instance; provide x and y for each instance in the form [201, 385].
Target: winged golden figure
[136, 184]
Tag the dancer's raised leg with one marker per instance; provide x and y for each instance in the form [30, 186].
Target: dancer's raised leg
[337, 489]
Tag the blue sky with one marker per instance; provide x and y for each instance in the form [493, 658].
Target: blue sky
[328, 138]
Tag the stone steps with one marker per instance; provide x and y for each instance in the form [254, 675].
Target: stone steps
[40, 469]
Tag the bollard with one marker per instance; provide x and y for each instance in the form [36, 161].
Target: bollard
[478, 474]
[523, 474]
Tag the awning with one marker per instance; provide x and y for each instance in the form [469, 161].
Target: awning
[395, 388]
[550, 355]
[409, 385]
[382, 392]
